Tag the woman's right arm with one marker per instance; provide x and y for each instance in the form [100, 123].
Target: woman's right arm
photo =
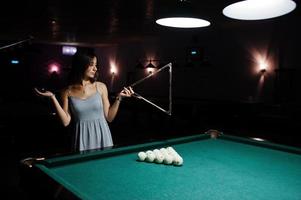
[63, 112]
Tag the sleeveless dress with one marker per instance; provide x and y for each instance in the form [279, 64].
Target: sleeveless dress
[91, 127]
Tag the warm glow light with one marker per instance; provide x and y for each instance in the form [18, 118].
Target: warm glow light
[113, 68]
[183, 22]
[150, 70]
[259, 9]
[263, 59]
[54, 68]
[263, 66]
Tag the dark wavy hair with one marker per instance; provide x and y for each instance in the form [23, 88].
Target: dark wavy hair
[80, 62]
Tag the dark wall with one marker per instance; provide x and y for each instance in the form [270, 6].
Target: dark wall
[223, 90]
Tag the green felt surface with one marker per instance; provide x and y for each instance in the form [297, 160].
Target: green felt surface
[213, 169]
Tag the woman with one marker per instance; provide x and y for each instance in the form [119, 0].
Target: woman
[86, 102]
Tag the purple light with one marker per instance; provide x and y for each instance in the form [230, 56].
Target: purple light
[69, 50]
[54, 68]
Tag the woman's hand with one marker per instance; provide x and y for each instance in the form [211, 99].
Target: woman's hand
[126, 92]
[44, 93]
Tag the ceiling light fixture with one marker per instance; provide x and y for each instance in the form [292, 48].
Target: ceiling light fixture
[259, 9]
[182, 16]
[183, 22]
[150, 65]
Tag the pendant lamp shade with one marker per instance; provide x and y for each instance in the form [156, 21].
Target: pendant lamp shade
[183, 22]
[181, 14]
[259, 9]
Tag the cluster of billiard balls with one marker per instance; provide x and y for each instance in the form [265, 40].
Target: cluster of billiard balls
[167, 156]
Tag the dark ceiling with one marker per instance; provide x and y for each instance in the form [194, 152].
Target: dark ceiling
[96, 22]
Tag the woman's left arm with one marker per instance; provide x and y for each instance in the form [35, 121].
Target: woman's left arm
[110, 111]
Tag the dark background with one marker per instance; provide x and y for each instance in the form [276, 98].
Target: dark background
[219, 88]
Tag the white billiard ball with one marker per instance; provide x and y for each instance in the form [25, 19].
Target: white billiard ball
[150, 156]
[170, 149]
[163, 151]
[168, 159]
[178, 161]
[158, 156]
[141, 156]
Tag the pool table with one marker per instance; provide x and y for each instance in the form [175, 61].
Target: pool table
[228, 167]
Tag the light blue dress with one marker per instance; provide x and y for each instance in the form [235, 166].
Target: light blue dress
[91, 127]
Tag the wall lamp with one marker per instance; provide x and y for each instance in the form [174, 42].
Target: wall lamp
[263, 67]
[150, 67]
[262, 71]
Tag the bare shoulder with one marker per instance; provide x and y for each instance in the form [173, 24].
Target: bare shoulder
[66, 91]
[101, 86]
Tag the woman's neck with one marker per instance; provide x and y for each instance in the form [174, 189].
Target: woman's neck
[85, 82]
[85, 86]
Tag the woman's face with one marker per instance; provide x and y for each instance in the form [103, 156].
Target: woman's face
[92, 69]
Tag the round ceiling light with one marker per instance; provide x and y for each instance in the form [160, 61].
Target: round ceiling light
[183, 22]
[259, 9]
